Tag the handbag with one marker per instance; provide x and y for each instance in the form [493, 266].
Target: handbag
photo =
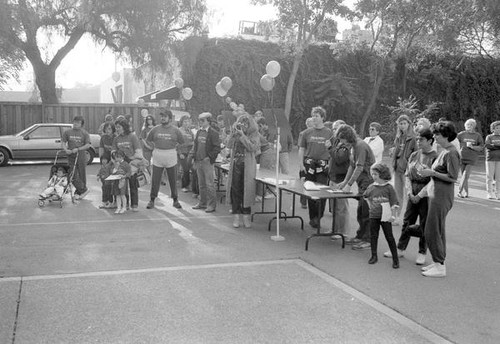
[143, 178]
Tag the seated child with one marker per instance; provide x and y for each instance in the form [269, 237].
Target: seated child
[119, 188]
[56, 184]
[107, 185]
[379, 195]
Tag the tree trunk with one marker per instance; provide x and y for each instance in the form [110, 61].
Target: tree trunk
[45, 78]
[373, 99]
[291, 83]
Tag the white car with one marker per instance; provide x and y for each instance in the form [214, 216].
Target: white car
[40, 142]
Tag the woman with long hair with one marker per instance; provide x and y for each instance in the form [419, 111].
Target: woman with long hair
[404, 145]
[244, 143]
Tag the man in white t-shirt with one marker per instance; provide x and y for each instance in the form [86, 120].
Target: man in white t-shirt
[375, 141]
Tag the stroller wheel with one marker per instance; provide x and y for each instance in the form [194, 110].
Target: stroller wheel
[41, 203]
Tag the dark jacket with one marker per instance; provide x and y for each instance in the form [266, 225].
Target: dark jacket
[212, 145]
[339, 161]
[404, 146]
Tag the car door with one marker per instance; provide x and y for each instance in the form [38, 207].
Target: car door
[42, 142]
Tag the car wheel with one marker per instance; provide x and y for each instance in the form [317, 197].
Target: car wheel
[4, 156]
[89, 156]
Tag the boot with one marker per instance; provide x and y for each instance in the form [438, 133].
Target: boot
[246, 221]
[373, 259]
[236, 220]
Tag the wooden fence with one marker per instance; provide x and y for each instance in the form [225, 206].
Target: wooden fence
[15, 117]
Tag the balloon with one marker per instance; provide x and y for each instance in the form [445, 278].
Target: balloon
[144, 113]
[273, 68]
[140, 101]
[220, 91]
[179, 83]
[187, 93]
[267, 82]
[233, 105]
[228, 100]
[226, 83]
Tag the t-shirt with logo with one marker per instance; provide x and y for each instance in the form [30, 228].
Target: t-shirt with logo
[492, 144]
[76, 138]
[469, 155]
[128, 144]
[313, 141]
[165, 137]
[378, 194]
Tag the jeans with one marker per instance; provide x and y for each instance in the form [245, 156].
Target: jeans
[414, 211]
[206, 175]
[186, 171]
[238, 189]
[156, 179]
[80, 175]
[134, 190]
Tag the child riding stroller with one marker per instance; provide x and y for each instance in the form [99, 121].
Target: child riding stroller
[58, 185]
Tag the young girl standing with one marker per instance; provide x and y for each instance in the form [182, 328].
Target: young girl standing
[120, 189]
[381, 197]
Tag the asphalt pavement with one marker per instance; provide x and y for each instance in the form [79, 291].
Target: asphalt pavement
[79, 274]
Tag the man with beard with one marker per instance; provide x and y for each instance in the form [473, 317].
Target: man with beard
[164, 138]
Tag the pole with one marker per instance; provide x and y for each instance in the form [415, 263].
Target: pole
[277, 237]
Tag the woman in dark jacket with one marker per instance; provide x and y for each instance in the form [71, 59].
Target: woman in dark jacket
[337, 170]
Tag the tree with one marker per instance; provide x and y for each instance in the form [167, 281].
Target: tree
[10, 62]
[140, 30]
[299, 22]
[398, 26]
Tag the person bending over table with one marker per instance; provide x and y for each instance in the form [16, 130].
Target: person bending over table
[359, 172]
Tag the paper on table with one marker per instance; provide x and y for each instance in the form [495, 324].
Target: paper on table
[114, 177]
[386, 212]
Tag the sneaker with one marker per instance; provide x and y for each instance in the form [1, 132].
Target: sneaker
[176, 204]
[362, 246]
[85, 193]
[151, 205]
[199, 206]
[438, 270]
[184, 190]
[353, 241]
[236, 220]
[118, 210]
[388, 254]
[269, 196]
[420, 259]
[103, 206]
[122, 211]
[247, 221]
[135, 208]
[258, 199]
[428, 267]
[210, 210]
[491, 196]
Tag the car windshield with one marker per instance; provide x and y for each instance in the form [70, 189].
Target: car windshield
[21, 133]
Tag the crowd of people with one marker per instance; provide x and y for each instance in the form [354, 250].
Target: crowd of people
[415, 191]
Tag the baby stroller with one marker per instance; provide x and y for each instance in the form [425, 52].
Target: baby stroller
[68, 189]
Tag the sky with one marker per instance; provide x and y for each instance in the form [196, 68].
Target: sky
[90, 65]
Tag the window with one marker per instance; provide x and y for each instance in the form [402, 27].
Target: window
[45, 133]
